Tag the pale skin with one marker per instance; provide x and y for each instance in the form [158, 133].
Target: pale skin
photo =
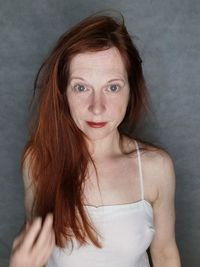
[98, 90]
[33, 246]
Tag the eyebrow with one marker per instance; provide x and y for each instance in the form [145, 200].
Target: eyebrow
[80, 78]
[75, 77]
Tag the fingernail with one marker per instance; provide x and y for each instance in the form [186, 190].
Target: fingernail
[50, 218]
[38, 221]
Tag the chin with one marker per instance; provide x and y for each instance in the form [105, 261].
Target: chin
[98, 135]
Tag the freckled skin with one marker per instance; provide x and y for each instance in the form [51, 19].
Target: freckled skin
[98, 91]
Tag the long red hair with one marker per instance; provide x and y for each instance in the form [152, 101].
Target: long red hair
[56, 148]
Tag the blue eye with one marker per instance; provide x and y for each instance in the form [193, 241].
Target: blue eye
[114, 87]
[79, 87]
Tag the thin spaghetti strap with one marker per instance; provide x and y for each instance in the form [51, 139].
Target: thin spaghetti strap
[140, 171]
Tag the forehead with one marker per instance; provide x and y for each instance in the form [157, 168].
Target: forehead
[107, 62]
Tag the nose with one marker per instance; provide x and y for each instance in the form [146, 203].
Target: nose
[97, 104]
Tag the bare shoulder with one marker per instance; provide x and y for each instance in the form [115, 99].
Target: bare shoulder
[155, 157]
[158, 171]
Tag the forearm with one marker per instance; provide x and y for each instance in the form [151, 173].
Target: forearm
[168, 258]
[167, 263]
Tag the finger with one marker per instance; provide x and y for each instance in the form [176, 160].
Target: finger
[19, 238]
[47, 249]
[32, 233]
[23, 233]
[51, 246]
[51, 241]
[43, 246]
[45, 232]
[17, 241]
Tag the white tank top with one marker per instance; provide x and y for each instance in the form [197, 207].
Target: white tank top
[126, 231]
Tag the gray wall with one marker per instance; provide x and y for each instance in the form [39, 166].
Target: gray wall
[168, 37]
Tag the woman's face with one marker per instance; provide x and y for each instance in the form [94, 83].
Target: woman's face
[98, 91]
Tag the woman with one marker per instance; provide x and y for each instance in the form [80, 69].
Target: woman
[111, 196]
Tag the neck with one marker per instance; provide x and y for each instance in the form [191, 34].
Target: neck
[106, 147]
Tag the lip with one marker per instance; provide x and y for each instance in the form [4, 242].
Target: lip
[96, 124]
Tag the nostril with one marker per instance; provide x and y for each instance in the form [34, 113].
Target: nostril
[97, 108]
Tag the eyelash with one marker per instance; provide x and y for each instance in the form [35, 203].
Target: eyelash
[115, 84]
[75, 87]
[78, 84]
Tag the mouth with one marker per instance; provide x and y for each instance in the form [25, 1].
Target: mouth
[96, 124]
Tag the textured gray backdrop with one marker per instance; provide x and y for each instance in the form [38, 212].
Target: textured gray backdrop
[167, 34]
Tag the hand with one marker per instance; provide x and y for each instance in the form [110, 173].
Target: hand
[33, 246]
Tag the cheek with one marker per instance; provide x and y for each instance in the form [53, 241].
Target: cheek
[78, 108]
[74, 109]
[74, 103]
[119, 106]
